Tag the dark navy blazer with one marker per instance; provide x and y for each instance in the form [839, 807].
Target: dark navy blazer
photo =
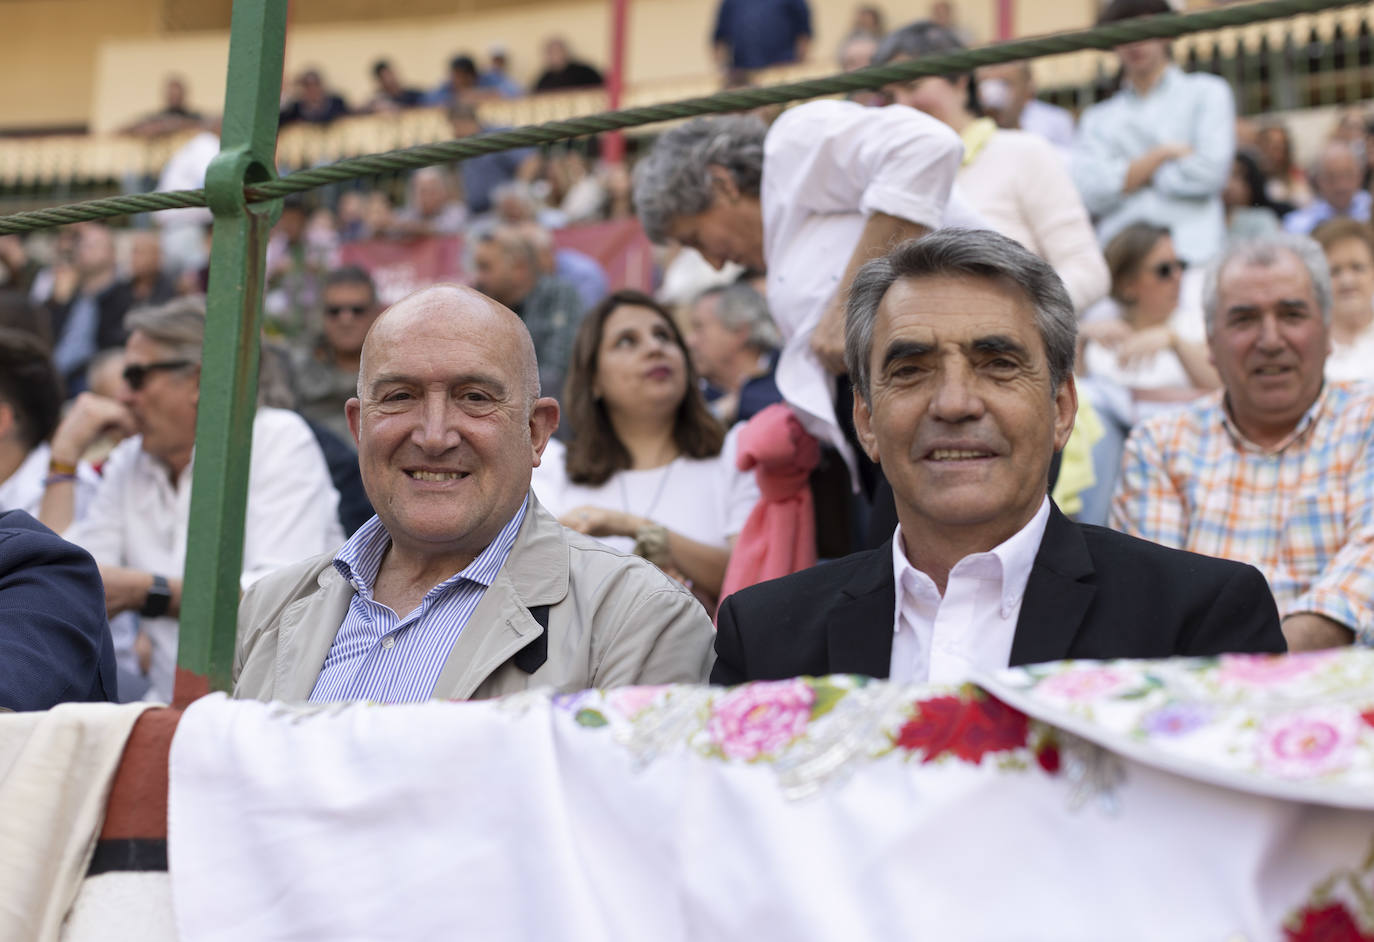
[54, 638]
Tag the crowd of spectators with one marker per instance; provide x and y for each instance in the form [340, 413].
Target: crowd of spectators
[1165, 218]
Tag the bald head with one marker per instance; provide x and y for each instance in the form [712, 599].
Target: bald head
[448, 310]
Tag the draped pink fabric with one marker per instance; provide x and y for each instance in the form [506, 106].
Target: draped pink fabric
[779, 536]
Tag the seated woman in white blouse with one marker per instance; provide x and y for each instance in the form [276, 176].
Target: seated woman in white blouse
[1152, 349]
[647, 468]
[1349, 248]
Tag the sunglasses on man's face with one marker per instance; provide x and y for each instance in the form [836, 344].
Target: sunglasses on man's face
[357, 310]
[136, 374]
[1166, 270]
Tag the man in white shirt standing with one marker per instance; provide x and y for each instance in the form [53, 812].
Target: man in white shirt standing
[136, 526]
[960, 346]
[1160, 149]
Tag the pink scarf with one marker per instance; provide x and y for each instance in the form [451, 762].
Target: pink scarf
[779, 537]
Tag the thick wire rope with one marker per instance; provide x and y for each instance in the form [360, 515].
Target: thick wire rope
[1167, 26]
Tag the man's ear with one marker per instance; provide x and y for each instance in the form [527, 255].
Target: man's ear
[724, 182]
[1065, 408]
[863, 428]
[353, 411]
[543, 422]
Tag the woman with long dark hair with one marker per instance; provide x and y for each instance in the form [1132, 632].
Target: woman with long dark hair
[645, 468]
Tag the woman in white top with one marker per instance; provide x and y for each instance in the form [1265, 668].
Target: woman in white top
[1349, 247]
[644, 468]
[1156, 354]
[1015, 180]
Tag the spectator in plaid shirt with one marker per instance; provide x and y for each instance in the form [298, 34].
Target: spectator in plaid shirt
[1276, 470]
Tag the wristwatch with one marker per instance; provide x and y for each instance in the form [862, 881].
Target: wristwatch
[158, 600]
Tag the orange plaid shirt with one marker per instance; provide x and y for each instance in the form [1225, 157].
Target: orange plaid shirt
[1301, 512]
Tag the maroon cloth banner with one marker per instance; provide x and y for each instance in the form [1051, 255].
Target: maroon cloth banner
[400, 266]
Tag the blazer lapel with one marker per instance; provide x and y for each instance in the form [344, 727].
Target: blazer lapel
[307, 632]
[1057, 596]
[535, 574]
[859, 624]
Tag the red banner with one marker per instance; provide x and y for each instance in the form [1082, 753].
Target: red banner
[401, 266]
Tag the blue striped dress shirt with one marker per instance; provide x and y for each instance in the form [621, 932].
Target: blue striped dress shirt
[381, 657]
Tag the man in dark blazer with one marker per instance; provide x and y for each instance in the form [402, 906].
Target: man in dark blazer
[54, 639]
[960, 347]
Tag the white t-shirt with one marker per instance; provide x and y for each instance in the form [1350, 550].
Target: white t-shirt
[139, 518]
[1354, 361]
[704, 499]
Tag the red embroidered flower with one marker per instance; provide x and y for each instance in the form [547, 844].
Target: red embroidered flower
[1048, 757]
[1368, 717]
[1331, 923]
[969, 728]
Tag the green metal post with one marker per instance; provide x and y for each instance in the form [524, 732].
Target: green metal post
[229, 374]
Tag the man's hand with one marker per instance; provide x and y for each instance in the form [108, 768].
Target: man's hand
[125, 589]
[827, 340]
[1143, 168]
[1308, 631]
[89, 418]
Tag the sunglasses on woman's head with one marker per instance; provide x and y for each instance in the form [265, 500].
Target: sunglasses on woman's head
[136, 374]
[1166, 270]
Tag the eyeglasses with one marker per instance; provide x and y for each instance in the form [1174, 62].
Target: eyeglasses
[136, 374]
[357, 310]
[1166, 270]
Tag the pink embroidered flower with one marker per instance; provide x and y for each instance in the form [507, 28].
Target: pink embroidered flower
[1264, 670]
[1088, 683]
[760, 718]
[629, 702]
[1309, 743]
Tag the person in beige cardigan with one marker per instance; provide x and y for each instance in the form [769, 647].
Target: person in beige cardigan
[462, 586]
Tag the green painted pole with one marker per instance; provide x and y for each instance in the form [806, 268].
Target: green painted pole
[229, 372]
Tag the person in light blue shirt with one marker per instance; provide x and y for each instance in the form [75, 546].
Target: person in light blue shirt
[1337, 178]
[1160, 149]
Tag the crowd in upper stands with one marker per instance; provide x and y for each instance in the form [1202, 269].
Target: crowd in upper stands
[1206, 421]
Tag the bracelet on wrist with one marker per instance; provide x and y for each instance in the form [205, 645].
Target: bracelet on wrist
[58, 477]
[61, 467]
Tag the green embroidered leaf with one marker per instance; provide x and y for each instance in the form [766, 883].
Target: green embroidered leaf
[590, 718]
[827, 695]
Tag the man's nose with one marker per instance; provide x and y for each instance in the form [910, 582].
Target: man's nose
[1270, 337]
[956, 397]
[437, 430]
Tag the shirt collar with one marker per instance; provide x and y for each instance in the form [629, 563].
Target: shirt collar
[360, 558]
[1168, 77]
[1016, 556]
[1300, 430]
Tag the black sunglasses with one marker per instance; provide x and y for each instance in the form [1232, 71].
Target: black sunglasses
[357, 310]
[1166, 270]
[136, 374]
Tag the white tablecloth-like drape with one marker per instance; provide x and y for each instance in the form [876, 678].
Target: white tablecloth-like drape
[1187, 799]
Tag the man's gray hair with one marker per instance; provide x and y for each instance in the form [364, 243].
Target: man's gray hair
[961, 253]
[178, 325]
[675, 180]
[738, 307]
[1262, 252]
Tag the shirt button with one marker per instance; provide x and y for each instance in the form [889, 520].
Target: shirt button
[388, 641]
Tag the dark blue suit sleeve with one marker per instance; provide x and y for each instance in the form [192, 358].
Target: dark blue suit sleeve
[55, 642]
[729, 667]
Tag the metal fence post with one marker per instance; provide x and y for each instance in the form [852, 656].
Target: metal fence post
[229, 374]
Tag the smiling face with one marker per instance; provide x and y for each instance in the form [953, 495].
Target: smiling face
[1352, 280]
[447, 433]
[729, 230]
[640, 365]
[962, 416]
[1269, 345]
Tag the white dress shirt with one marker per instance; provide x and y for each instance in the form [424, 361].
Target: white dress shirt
[139, 517]
[827, 167]
[942, 640]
